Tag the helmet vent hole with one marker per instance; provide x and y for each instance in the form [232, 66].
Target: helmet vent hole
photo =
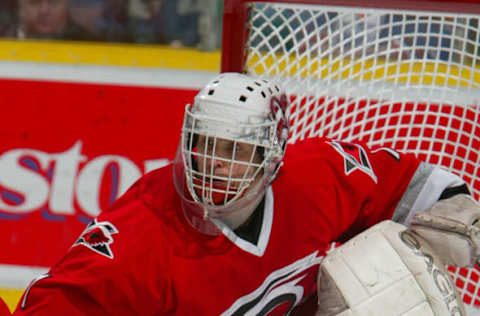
[210, 92]
[276, 88]
[242, 98]
[249, 88]
[258, 83]
[270, 90]
[263, 94]
[216, 81]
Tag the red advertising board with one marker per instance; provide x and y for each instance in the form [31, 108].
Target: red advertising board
[67, 150]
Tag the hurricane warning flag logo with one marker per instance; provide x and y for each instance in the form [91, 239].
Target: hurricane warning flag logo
[355, 158]
[98, 237]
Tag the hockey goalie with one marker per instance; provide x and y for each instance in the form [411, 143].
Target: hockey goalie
[390, 269]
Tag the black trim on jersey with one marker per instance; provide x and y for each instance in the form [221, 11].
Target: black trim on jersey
[242, 310]
[250, 230]
[449, 192]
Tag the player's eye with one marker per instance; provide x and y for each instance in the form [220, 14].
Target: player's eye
[210, 146]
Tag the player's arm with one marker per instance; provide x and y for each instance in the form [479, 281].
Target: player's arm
[52, 295]
[95, 291]
[4, 311]
[428, 185]
[102, 275]
[409, 184]
[437, 205]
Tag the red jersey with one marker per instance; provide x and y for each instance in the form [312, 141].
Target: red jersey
[4, 310]
[141, 257]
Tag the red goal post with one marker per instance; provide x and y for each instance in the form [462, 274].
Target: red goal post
[397, 73]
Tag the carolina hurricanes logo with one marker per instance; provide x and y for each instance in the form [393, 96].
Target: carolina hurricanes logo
[98, 237]
[281, 291]
[278, 107]
[355, 158]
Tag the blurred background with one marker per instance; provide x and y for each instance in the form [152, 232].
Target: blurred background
[176, 23]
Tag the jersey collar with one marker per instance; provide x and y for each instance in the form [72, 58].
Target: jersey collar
[259, 248]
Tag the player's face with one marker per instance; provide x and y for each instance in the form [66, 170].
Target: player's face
[226, 158]
[43, 17]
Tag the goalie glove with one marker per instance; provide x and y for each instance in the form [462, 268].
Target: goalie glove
[386, 270]
[452, 228]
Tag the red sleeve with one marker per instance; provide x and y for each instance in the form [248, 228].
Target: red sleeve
[374, 180]
[349, 186]
[102, 274]
[4, 310]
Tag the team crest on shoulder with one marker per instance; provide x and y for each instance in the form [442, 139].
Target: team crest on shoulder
[355, 158]
[98, 237]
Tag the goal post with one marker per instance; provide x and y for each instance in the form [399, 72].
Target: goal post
[397, 73]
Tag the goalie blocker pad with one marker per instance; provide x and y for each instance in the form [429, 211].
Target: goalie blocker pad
[386, 270]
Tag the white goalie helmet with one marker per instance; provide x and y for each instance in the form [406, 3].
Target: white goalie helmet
[233, 141]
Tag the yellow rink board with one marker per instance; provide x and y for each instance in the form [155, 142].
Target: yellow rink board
[161, 56]
[109, 54]
[11, 297]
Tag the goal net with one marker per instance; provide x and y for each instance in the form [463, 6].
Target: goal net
[380, 72]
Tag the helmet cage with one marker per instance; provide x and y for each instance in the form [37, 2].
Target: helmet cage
[203, 185]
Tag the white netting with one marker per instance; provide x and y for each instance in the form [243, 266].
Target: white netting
[405, 79]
